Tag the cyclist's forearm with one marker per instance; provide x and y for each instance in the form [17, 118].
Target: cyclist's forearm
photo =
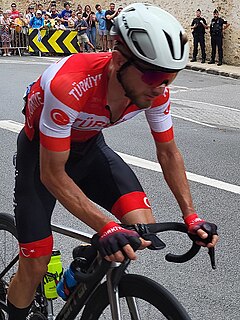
[75, 201]
[174, 173]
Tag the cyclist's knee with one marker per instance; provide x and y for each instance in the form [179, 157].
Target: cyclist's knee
[138, 216]
[33, 269]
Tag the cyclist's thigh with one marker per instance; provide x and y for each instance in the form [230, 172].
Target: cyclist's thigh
[33, 202]
[109, 181]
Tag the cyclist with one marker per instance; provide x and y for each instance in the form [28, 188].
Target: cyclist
[62, 153]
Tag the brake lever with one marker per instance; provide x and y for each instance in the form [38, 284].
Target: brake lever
[157, 243]
[211, 252]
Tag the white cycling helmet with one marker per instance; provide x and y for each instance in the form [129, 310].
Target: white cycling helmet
[153, 36]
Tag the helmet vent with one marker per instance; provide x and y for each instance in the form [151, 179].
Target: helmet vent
[183, 41]
[143, 44]
[137, 46]
[169, 40]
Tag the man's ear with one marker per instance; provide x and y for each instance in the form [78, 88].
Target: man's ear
[118, 59]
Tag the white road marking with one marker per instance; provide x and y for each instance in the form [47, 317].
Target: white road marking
[11, 125]
[204, 103]
[206, 114]
[41, 61]
[154, 166]
[25, 62]
[191, 120]
[177, 89]
[145, 164]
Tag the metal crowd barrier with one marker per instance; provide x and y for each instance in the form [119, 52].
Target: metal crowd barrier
[19, 40]
[44, 41]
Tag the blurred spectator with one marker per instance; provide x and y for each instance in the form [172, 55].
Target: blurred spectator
[37, 22]
[90, 18]
[72, 20]
[5, 35]
[30, 13]
[40, 7]
[14, 12]
[49, 23]
[21, 31]
[119, 9]
[54, 12]
[81, 27]
[102, 31]
[59, 25]
[79, 9]
[51, 4]
[65, 14]
[110, 15]
[20, 22]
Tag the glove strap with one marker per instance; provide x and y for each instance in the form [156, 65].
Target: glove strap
[110, 228]
[192, 220]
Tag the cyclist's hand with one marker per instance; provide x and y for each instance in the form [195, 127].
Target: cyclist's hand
[115, 242]
[202, 232]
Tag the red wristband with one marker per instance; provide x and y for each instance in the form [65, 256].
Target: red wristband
[109, 228]
[192, 219]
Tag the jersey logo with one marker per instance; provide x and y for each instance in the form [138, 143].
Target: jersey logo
[167, 110]
[146, 201]
[59, 117]
[26, 252]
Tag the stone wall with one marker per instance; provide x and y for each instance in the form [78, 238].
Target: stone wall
[184, 11]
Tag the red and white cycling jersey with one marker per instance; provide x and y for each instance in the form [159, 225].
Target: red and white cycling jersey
[68, 103]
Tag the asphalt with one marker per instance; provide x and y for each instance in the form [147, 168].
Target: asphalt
[223, 70]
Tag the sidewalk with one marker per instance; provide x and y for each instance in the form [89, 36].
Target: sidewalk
[223, 70]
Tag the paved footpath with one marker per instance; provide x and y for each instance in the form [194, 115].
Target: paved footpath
[223, 70]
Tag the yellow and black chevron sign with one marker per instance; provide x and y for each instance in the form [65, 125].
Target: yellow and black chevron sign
[59, 41]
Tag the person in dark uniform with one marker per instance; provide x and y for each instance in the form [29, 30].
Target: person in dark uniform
[198, 27]
[216, 31]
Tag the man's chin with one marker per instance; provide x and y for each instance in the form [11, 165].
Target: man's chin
[143, 104]
[140, 103]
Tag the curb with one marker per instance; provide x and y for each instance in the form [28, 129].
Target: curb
[213, 71]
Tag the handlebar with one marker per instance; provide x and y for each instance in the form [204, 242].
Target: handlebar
[171, 226]
[153, 229]
[180, 227]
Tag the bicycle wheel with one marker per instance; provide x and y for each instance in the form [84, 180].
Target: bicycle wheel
[8, 251]
[153, 301]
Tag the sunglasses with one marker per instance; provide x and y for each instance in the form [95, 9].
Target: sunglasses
[152, 77]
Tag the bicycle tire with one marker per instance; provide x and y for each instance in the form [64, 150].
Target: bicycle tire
[36, 316]
[8, 251]
[140, 287]
[2, 315]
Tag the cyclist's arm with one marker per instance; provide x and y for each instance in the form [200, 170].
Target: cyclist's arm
[173, 168]
[170, 158]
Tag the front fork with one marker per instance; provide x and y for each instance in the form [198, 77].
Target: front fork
[113, 278]
[50, 314]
